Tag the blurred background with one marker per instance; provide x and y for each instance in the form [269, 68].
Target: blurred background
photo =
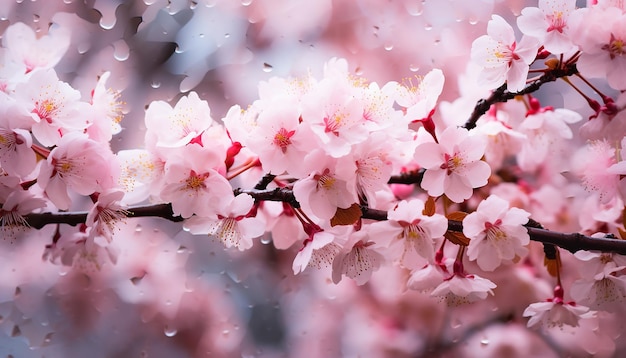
[172, 294]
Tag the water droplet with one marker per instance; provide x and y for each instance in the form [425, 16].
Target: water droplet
[193, 5]
[121, 51]
[170, 331]
[388, 47]
[428, 27]
[246, 2]
[358, 71]
[82, 48]
[455, 323]
[473, 20]
[414, 8]
[414, 68]
[226, 35]
[138, 228]
[266, 239]
[267, 67]
[48, 338]
[484, 341]
[225, 332]
[234, 276]
[16, 331]
[136, 280]
[178, 49]
[181, 249]
[67, 1]
[35, 18]
[107, 24]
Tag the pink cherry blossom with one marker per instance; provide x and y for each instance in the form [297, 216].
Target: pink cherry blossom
[545, 130]
[597, 265]
[17, 204]
[105, 214]
[410, 232]
[418, 100]
[602, 46]
[178, 126]
[462, 289]
[373, 168]
[108, 111]
[549, 24]
[357, 260]
[279, 139]
[33, 52]
[335, 116]
[496, 233]
[554, 313]
[501, 58]
[607, 293]
[232, 225]
[453, 166]
[325, 189]
[593, 165]
[16, 155]
[502, 139]
[426, 278]
[317, 239]
[78, 164]
[141, 174]
[192, 186]
[54, 105]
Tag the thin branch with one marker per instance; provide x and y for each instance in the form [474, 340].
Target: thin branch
[265, 181]
[37, 221]
[502, 95]
[569, 241]
[412, 177]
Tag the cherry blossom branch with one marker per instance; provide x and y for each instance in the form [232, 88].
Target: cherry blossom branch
[39, 220]
[569, 241]
[411, 177]
[502, 95]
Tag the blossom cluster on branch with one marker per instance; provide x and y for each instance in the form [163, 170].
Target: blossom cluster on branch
[352, 174]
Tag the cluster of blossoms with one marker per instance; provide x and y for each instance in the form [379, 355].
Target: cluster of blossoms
[333, 144]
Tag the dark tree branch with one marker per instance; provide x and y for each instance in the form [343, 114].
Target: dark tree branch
[412, 177]
[571, 242]
[37, 221]
[265, 181]
[502, 95]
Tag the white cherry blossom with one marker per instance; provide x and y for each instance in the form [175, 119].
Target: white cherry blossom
[549, 24]
[453, 166]
[496, 233]
[232, 225]
[501, 58]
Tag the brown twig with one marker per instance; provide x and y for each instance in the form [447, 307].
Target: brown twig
[502, 95]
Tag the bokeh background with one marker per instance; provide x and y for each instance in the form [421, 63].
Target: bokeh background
[173, 294]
